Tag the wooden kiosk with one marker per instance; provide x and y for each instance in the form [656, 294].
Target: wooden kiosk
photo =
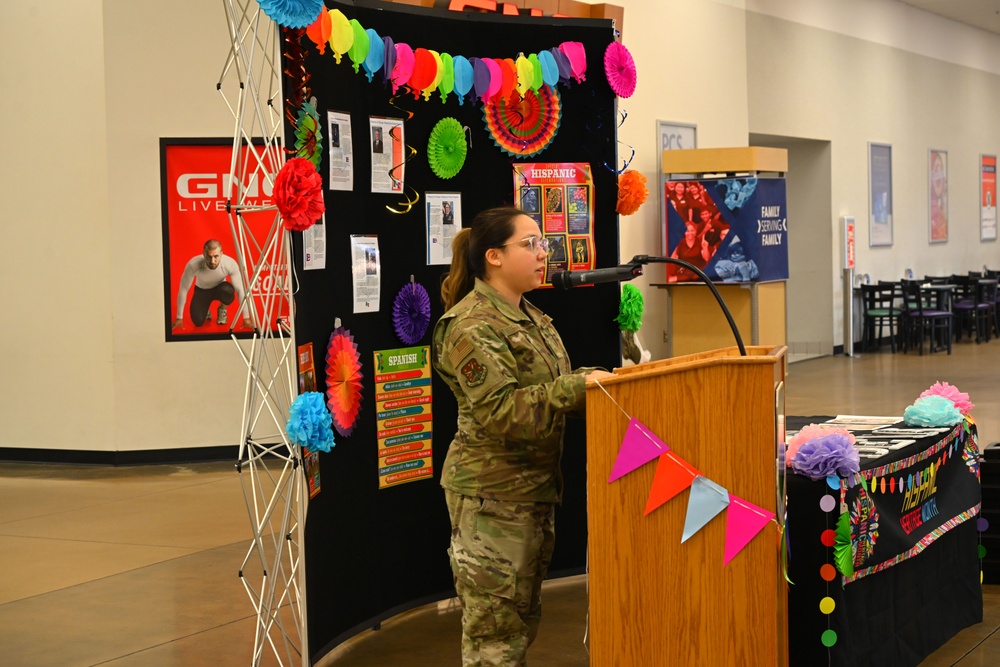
[653, 600]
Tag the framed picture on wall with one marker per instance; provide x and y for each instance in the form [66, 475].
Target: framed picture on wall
[987, 197]
[670, 136]
[937, 186]
[879, 194]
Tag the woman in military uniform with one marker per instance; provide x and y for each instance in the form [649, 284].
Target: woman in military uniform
[512, 379]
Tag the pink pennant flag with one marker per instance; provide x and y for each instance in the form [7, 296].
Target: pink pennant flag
[639, 447]
[743, 521]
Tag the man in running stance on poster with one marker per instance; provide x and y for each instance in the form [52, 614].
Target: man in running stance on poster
[208, 272]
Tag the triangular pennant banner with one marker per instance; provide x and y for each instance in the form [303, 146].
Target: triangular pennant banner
[743, 521]
[706, 501]
[639, 447]
[673, 475]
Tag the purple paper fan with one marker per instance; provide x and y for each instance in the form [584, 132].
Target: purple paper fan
[411, 313]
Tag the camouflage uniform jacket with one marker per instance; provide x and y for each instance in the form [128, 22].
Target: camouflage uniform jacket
[511, 376]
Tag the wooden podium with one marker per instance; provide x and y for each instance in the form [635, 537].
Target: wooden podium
[653, 600]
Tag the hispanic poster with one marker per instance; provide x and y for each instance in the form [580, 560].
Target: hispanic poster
[387, 154]
[203, 287]
[559, 196]
[341, 150]
[403, 408]
[733, 229]
[444, 221]
[879, 194]
[988, 198]
[367, 271]
[307, 382]
[937, 168]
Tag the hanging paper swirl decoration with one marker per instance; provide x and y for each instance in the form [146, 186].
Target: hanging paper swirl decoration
[411, 313]
[292, 13]
[524, 128]
[343, 380]
[446, 148]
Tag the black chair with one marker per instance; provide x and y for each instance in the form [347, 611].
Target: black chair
[920, 320]
[880, 308]
[964, 306]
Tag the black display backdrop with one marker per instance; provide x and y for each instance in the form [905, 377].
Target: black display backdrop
[371, 554]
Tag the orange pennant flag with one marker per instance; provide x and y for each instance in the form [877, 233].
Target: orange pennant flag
[673, 475]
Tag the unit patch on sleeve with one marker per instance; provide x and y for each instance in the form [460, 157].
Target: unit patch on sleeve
[474, 372]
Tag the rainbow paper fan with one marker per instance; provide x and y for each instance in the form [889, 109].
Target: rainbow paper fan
[527, 127]
[343, 380]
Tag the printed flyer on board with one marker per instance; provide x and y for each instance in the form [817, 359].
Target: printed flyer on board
[403, 409]
[560, 198]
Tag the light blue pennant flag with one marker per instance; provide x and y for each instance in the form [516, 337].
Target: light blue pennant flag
[706, 501]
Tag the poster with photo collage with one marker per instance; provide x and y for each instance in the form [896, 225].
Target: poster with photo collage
[560, 198]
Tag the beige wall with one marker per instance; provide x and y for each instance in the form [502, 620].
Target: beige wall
[92, 86]
[850, 91]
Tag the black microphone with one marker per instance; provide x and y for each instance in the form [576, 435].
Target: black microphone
[571, 279]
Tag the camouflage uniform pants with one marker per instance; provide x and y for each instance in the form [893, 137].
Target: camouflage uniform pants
[500, 552]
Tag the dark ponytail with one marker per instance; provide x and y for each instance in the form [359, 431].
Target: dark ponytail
[490, 229]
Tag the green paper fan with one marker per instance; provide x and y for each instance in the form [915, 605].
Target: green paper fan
[842, 553]
[446, 148]
[630, 309]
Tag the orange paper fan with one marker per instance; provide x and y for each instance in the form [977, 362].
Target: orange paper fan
[343, 380]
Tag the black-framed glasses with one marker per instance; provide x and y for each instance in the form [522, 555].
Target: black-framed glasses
[532, 243]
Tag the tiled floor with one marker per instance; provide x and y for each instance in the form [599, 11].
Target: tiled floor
[138, 566]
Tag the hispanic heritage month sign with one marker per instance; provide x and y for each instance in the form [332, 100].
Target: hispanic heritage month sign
[560, 198]
[202, 283]
[898, 509]
[403, 409]
[733, 229]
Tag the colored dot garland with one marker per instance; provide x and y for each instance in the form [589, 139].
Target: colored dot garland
[827, 571]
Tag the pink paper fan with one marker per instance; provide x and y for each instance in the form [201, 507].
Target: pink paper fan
[620, 69]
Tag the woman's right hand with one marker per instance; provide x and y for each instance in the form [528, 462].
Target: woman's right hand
[599, 375]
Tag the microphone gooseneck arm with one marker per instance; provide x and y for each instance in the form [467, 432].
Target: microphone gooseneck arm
[640, 260]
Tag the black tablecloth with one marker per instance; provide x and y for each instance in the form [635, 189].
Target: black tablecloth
[898, 615]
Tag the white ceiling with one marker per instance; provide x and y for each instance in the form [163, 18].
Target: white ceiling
[983, 14]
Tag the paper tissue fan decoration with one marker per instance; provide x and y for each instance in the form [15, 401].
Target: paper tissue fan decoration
[446, 148]
[343, 380]
[309, 134]
[359, 49]
[447, 84]
[550, 70]
[424, 70]
[632, 192]
[388, 58]
[403, 69]
[439, 74]
[411, 313]
[630, 309]
[620, 69]
[341, 34]
[298, 194]
[536, 79]
[463, 77]
[376, 54]
[577, 56]
[292, 13]
[319, 31]
[496, 77]
[309, 423]
[527, 127]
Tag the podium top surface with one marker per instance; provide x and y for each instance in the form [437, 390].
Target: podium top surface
[756, 355]
[725, 160]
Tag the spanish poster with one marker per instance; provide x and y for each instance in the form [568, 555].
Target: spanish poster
[404, 415]
[203, 284]
[559, 196]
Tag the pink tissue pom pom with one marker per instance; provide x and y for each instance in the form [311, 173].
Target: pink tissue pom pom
[951, 392]
[808, 433]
